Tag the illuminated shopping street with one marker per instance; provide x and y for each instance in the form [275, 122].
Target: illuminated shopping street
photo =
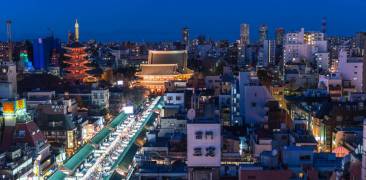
[100, 158]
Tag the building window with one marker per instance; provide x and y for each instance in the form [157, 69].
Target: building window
[178, 98]
[355, 72]
[170, 98]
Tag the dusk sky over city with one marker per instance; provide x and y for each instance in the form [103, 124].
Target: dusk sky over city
[152, 20]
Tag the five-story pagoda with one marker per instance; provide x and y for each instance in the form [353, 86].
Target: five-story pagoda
[77, 69]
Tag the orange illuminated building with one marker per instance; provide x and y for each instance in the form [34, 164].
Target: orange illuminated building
[162, 67]
[77, 69]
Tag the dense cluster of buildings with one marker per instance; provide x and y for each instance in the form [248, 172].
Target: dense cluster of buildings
[288, 107]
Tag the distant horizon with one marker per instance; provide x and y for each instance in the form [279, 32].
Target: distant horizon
[162, 20]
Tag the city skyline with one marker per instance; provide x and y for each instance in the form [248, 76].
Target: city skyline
[122, 21]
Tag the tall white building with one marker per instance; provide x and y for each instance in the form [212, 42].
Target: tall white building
[352, 69]
[203, 149]
[244, 35]
[303, 45]
[249, 100]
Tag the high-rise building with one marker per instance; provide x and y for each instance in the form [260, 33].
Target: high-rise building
[244, 35]
[269, 53]
[185, 36]
[38, 54]
[279, 36]
[263, 33]
[303, 45]
[42, 51]
[360, 41]
[10, 40]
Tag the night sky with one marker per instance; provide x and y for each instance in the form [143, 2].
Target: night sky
[154, 20]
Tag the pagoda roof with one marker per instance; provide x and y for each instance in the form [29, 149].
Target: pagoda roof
[158, 69]
[77, 61]
[71, 55]
[79, 68]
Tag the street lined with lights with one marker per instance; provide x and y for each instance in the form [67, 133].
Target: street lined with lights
[100, 158]
[116, 144]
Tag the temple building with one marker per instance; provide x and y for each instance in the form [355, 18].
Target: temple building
[163, 67]
[77, 69]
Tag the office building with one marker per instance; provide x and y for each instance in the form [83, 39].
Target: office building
[244, 35]
[263, 33]
[203, 149]
[42, 51]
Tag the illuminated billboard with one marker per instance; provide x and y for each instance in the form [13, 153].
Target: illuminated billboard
[11, 107]
[128, 109]
[8, 107]
[20, 104]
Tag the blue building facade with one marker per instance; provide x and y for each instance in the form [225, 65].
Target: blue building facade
[42, 51]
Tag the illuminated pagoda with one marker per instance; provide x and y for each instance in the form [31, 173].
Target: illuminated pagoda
[163, 67]
[77, 69]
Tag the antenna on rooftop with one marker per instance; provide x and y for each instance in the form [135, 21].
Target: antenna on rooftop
[324, 25]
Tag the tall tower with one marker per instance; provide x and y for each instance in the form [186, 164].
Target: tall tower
[76, 31]
[185, 37]
[324, 25]
[280, 34]
[263, 32]
[244, 34]
[9, 38]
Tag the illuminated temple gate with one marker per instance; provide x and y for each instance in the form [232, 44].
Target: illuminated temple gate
[162, 67]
